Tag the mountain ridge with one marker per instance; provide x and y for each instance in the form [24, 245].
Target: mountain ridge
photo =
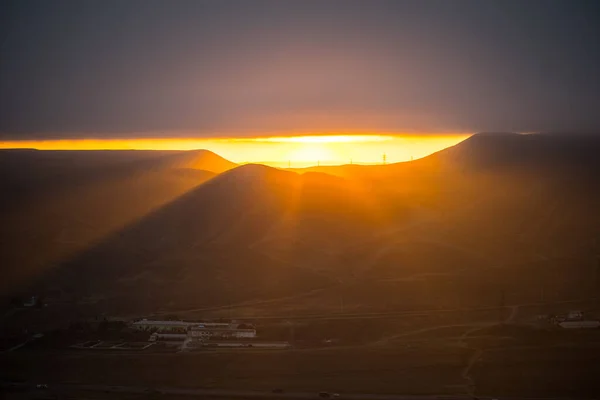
[251, 227]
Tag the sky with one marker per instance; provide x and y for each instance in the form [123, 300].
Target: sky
[135, 69]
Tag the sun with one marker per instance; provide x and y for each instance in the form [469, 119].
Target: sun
[310, 152]
[320, 149]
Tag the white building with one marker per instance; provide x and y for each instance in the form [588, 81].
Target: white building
[197, 330]
[575, 320]
[167, 337]
[206, 331]
[31, 302]
[579, 324]
[162, 326]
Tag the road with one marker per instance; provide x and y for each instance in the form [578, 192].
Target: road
[31, 339]
[66, 388]
[478, 352]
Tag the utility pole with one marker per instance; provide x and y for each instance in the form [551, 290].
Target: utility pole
[597, 278]
[542, 294]
[596, 272]
[384, 158]
[502, 300]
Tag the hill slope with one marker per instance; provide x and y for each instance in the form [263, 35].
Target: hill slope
[198, 248]
[497, 210]
[55, 204]
[27, 174]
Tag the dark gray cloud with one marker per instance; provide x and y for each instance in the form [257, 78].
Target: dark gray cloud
[121, 68]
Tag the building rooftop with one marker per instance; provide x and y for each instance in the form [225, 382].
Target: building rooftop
[222, 328]
[166, 323]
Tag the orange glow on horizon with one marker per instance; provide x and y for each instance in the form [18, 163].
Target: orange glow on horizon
[297, 151]
[325, 139]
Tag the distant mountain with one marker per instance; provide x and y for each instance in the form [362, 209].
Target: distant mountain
[55, 204]
[538, 151]
[201, 159]
[514, 199]
[28, 173]
[489, 150]
[251, 232]
[200, 246]
[496, 209]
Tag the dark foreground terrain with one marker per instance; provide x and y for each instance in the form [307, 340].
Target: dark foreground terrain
[521, 371]
[496, 353]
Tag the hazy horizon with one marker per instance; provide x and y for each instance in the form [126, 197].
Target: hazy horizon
[298, 151]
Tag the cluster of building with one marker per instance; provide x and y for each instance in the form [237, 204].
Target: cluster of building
[574, 320]
[188, 335]
[197, 329]
[180, 331]
[218, 330]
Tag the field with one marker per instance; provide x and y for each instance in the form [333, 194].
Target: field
[436, 354]
[427, 370]
[491, 351]
[379, 370]
[562, 371]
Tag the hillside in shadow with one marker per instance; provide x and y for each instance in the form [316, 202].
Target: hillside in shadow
[196, 250]
[26, 174]
[55, 204]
